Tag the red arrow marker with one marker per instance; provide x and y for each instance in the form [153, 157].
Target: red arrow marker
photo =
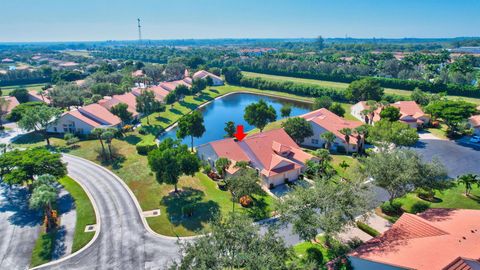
[240, 134]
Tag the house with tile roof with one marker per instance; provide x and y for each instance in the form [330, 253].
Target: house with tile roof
[34, 95]
[474, 122]
[437, 239]
[322, 121]
[410, 113]
[12, 103]
[128, 98]
[274, 155]
[203, 75]
[84, 119]
[159, 92]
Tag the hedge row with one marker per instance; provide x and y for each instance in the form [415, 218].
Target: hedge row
[451, 89]
[294, 88]
[367, 229]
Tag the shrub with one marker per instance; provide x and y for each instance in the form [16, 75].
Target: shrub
[222, 185]
[369, 230]
[144, 147]
[419, 207]
[142, 131]
[127, 128]
[207, 168]
[246, 201]
[394, 208]
[424, 194]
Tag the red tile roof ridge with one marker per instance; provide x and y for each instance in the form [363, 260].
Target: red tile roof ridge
[461, 263]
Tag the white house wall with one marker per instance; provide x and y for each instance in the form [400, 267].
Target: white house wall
[71, 124]
[317, 132]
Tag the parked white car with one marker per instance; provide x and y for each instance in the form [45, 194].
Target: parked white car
[475, 139]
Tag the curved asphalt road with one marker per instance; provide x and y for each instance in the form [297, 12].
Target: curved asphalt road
[123, 241]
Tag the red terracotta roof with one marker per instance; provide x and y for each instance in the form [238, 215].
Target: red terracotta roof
[463, 264]
[431, 240]
[100, 114]
[36, 95]
[12, 103]
[83, 118]
[170, 86]
[202, 74]
[261, 151]
[332, 122]
[127, 98]
[409, 108]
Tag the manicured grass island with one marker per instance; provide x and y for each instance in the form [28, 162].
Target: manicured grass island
[85, 213]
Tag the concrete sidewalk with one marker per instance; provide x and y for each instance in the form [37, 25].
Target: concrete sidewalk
[376, 222]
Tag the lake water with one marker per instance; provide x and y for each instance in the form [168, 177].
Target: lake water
[231, 108]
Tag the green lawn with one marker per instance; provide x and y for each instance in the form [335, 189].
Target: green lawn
[349, 172]
[7, 89]
[42, 251]
[133, 169]
[338, 85]
[308, 252]
[85, 213]
[453, 197]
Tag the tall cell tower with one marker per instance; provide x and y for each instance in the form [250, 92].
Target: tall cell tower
[139, 30]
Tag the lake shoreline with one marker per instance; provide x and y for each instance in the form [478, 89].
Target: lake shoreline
[173, 125]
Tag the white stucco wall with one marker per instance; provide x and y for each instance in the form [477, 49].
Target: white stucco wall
[216, 81]
[356, 111]
[279, 179]
[317, 132]
[68, 123]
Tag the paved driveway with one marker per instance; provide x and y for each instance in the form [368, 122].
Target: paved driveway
[457, 156]
[123, 241]
[19, 228]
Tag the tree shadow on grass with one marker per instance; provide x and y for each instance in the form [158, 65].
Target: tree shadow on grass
[259, 209]
[214, 91]
[202, 211]
[175, 111]
[132, 139]
[191, 106]
[29, 138]
[163, 119]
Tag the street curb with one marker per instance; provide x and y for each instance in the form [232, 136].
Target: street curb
[95, 236]
[137, 204]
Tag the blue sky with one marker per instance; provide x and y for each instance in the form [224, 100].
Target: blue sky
[69, 20]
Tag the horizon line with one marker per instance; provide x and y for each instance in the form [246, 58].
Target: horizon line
[239, 38]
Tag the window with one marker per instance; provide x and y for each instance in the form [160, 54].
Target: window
[314, 141]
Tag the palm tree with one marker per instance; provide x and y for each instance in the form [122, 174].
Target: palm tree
[108, 136]
[347, 132]
[221, 165]
[329, 138]
[373, 106]
[468, 180]
[43, 195]
[97, 132]
[361, 131]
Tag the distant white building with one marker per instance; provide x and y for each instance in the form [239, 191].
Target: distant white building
[410, 113]
[202, 74]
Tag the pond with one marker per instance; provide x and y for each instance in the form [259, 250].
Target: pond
[231, 108]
